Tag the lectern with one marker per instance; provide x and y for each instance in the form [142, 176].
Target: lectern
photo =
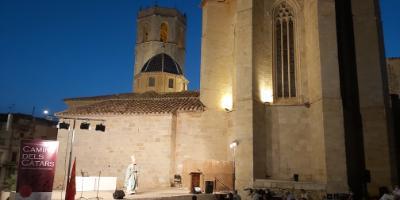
[194, 181]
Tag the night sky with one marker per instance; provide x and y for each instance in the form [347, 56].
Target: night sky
[56, 49]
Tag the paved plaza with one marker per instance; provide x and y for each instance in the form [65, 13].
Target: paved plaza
[173, 193]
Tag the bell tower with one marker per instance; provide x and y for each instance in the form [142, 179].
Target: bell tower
[160, 51]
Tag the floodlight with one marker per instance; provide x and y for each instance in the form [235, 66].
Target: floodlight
[63, 125]
[100, 127]
[234, 144]
[85, 126]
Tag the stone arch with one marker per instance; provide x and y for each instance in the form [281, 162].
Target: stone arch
[294, 4]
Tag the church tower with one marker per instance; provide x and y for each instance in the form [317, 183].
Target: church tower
[160, 51]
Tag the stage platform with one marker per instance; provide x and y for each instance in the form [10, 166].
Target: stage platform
[168, 194]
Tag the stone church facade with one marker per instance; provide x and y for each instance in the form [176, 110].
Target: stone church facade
[299, 85]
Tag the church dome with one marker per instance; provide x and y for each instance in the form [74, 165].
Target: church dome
[162, 63]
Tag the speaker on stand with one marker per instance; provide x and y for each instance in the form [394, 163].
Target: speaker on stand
[84, 174]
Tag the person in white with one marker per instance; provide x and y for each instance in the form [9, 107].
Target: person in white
[131, 177]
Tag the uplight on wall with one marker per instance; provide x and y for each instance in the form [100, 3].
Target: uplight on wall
[234, 144]
[227, 103]
[266, 96]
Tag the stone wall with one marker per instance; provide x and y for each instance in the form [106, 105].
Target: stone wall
[164, 145]
[148, 137]
[374, 102]
[201, 151]
[393, 68]
[305, 135]
[216, 83]
[161, 82]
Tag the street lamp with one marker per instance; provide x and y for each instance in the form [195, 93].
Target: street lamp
[233, 146]
[49, 116]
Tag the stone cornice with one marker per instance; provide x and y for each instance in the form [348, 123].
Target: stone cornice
[204, 2]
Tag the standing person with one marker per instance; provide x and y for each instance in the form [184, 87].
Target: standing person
[303, 195]
[396, 192]
[131, 177]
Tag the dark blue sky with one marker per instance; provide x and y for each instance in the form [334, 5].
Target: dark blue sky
[55, 49]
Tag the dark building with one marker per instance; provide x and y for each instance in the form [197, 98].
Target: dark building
[13, 129]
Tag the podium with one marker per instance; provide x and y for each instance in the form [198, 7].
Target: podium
[194, 182]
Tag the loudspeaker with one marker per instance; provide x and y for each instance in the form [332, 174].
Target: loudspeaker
[209, 187]
[119, 194]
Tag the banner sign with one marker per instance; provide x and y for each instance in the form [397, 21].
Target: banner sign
[36, 169]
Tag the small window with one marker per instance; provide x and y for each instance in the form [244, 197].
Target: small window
[152, 81]
[170, 83]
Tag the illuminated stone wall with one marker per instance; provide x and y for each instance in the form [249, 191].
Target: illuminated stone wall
[304, 136]
[164, 145]
[161, 82]
[110, 151]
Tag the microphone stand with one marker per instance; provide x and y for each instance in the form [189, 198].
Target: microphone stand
[98, 187]
[83, 175]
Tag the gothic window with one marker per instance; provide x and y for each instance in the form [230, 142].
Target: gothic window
[285, 64]
[164, 32]
[152, 81]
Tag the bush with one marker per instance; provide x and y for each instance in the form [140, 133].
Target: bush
[10, 184]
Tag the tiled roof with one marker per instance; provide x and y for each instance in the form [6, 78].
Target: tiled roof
[135, 103]
[146, 95]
